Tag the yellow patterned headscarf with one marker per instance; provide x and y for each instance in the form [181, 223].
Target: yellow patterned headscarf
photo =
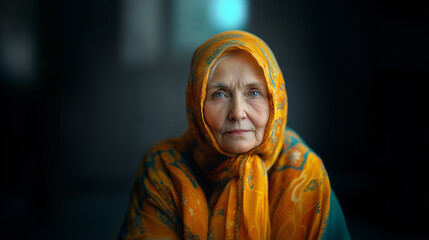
[190, 188]
[244, 174]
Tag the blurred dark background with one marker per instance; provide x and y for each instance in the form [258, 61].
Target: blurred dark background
[87, 86]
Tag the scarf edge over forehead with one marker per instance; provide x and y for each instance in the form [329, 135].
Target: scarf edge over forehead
[203, 59]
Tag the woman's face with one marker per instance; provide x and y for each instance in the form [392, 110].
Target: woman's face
[236, 106]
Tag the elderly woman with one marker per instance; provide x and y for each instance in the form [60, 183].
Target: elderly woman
[238, 172]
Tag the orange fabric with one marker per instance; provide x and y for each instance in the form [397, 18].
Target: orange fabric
[188, 187]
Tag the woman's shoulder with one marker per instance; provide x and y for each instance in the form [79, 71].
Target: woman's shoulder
[296, 156]
[164, 154]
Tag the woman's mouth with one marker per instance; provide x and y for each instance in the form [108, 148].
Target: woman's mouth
[237, 132]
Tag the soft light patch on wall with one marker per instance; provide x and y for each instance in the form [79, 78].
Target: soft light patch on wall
[141, 39]
[228, 14]
[195, 21]
[18, 42]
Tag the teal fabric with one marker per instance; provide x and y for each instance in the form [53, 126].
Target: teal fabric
[336, 228]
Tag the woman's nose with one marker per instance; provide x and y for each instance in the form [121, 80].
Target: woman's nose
[237, 110]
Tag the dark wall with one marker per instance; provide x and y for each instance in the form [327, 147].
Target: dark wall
[75, 120]
[357, 79]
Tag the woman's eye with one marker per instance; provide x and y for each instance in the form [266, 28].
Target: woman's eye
[255, 93]
[218, 95]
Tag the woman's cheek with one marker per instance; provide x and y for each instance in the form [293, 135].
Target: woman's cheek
[260, 114]
[214, 115]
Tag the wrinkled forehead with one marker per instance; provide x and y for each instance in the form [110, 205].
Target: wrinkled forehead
[238, 64]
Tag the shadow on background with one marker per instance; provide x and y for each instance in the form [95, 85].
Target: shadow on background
[88, 86]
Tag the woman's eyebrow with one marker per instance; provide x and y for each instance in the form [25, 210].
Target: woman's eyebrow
[256, 84]
[217, 84]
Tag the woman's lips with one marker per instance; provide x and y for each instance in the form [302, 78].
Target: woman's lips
[237, 132]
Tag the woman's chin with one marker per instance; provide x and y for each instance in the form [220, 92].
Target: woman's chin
[237, 147]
